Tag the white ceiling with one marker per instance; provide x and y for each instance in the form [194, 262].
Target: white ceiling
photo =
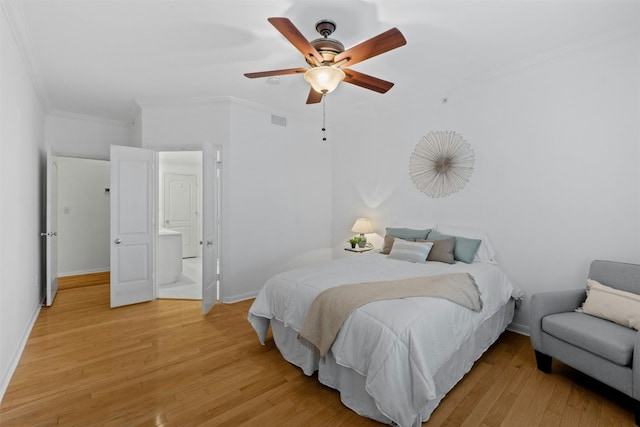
[96, 57]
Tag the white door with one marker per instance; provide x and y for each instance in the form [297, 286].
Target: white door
[181, 210]
[132, 221]
[210, 223]
[52, 228]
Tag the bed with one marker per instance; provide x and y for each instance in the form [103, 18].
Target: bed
[392, 360]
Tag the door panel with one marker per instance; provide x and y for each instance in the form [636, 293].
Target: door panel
[51, 233]
[181, 210]
[132, 251]
[210, 218]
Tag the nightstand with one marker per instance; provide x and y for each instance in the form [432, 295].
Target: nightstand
[359, 249]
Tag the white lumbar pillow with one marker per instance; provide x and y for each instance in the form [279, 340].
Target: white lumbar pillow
[612, 304]
[410, 251]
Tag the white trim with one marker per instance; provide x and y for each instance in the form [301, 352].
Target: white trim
[80, 272]
[586, 44]
[17, 24]
[215, 100]
[518, 328]
[590, 43]
[88, 118]
[13, 364]
[237, 298]
[181, 100]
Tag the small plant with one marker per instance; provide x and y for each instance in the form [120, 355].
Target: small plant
[354, 241]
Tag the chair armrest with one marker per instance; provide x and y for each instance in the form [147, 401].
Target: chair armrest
[545, 303]
[635, 367]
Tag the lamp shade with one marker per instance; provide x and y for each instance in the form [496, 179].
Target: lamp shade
[324, 79]
[362, 226]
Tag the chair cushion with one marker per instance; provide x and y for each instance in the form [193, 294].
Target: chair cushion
[601, 337]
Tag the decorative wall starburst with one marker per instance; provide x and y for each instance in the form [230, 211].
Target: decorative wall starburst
[441, 163]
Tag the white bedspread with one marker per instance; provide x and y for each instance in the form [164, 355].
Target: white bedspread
[399, 344]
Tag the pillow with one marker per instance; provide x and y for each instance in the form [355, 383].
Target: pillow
[485, 251]
[442, 250]
[464, 250]
[612, 304]
[410, 251]
[388, 243]
[407, 233]
[404, 234]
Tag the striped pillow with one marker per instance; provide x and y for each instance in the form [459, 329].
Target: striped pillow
[410, 251]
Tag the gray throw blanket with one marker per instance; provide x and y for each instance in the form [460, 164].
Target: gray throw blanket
[331, 307]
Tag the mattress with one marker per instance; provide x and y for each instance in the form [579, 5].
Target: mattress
[392, 360]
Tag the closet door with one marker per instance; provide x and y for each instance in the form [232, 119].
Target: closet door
[132, 225]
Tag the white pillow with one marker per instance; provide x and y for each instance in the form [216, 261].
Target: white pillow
[612, 304]
[485, 251]
[410, 251]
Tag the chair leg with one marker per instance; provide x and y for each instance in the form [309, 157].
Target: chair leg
[636, 408]
[544, 362]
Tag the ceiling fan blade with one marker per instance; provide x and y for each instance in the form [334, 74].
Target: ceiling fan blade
[314, 97]
[275, 72]
[375, 46]
[295, 37]
[366, 81]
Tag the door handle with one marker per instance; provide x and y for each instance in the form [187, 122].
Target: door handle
[117, 241]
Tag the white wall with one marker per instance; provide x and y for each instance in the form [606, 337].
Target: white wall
[21, 190]
[556, 180]
[77, 135]
[83, 216]
[276, 185]
[279, 215]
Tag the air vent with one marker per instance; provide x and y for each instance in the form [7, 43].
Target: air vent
[278, 120]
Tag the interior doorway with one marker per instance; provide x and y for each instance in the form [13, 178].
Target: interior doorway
[202, 268]
[179, 248]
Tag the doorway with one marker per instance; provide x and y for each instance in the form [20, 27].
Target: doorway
[124, 175]
[179, 248]
[82, 220]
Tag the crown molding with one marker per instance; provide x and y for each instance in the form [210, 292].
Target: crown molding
[17, 24]
[87, 118]
[227, 101]
[615, 36]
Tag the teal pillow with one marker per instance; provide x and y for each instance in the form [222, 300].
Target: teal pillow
[407, 233]
[465, 249]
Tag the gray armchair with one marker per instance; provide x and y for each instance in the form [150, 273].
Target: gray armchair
[599, 348]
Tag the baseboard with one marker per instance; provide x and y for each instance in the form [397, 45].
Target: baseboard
[237, 298]
[518, 328]
[13, 364]
[81, 272]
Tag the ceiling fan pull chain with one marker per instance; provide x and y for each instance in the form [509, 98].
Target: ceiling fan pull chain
[324, 117]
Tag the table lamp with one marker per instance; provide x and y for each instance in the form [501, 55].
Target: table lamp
[362, 226]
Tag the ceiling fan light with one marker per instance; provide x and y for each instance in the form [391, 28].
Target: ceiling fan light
[324, 79]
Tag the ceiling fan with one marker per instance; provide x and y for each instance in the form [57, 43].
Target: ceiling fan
[327, 58]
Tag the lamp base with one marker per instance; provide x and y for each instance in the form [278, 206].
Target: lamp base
[363, 241]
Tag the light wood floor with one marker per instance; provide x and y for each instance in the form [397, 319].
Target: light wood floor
[68, 282]
[162, 364]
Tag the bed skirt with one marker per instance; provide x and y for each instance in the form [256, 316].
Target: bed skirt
[351, 384]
